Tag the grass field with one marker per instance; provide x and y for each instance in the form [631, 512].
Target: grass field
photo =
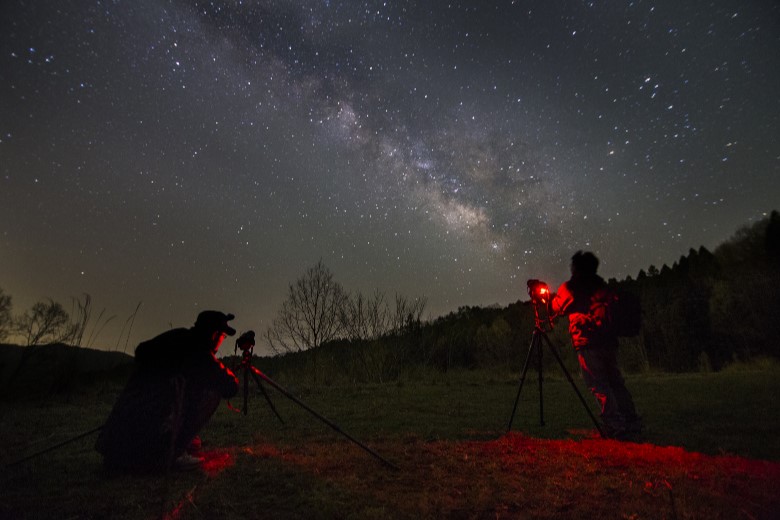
[710, 450]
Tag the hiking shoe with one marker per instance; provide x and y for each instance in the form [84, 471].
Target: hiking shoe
[187, 462]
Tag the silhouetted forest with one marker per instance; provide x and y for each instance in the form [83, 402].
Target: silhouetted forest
[704, 311]
[708, 309]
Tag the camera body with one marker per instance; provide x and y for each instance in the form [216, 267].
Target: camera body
[246, 341]
[539, 292]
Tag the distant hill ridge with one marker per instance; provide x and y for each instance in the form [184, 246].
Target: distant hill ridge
[48, 368]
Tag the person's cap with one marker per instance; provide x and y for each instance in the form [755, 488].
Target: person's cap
[215, 320]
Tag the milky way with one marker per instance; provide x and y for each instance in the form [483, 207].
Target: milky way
[192, 155]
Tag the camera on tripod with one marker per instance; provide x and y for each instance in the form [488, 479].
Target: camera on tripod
[541, 298]
[246, 341]
[539, 292]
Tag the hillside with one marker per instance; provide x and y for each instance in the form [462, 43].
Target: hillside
[41, 370]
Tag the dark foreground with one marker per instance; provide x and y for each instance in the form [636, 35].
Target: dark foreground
[710, 452]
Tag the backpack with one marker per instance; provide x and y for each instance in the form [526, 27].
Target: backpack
[625, 314]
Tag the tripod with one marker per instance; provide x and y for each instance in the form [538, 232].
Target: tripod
[538, 337]
[246, 342]
[249, 369]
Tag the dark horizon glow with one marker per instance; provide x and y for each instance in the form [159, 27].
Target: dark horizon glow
[193, 155]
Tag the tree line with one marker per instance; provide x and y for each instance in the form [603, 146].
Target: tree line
[712, 308]
[706, 310]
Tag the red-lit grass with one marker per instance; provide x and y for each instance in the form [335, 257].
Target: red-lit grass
[519, 476]
[515, 476]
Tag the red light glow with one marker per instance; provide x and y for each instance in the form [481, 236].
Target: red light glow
[216, 462]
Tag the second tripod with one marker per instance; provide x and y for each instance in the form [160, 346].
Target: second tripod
[540, 298]
[246, 343]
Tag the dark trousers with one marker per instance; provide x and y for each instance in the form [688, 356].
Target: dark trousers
[602, 375]
[199, 405]
[154, 421]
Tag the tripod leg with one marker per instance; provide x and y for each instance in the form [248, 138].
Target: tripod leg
[246, 389]
[52, 448]
[265, 394]
[333, 425]
[534, 343]
[573, 385]
[541, 380]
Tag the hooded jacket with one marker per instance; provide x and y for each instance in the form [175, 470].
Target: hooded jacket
[584, 299]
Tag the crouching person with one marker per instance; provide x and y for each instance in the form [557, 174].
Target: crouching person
[176, 387]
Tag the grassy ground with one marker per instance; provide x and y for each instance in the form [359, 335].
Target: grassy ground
[711, 450]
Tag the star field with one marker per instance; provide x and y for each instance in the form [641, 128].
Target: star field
[196, 155]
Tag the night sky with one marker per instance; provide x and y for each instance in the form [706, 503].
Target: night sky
[192, 155]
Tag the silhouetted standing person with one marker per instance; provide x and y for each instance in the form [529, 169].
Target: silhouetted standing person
[584, 299]
[175, 388]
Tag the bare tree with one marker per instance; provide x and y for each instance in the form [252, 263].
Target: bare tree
[310, 315]
[44, 323]
[6, 321]
[408, 313]
[365, 318]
